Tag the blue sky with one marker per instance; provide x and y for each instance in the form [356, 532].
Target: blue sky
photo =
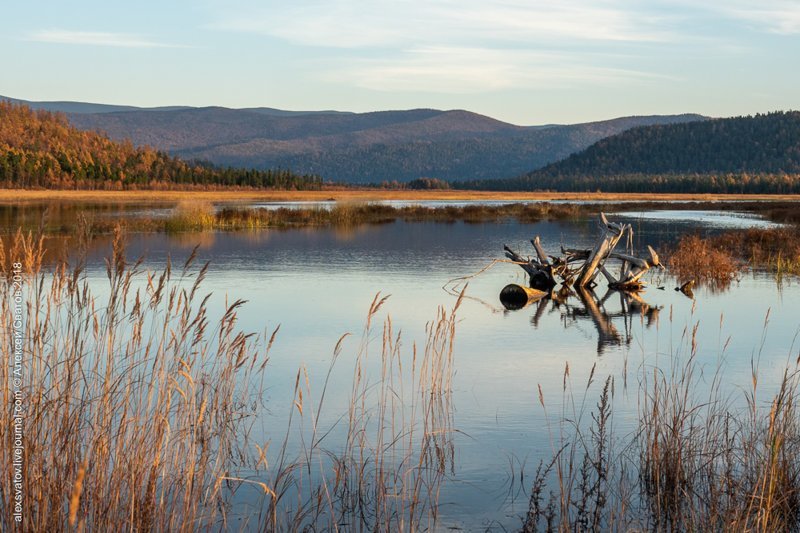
[522, 61]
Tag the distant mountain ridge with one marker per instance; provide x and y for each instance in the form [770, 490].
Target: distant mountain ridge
[350, 147]
[759, 153]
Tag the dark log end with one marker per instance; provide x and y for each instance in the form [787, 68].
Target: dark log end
[515, 296]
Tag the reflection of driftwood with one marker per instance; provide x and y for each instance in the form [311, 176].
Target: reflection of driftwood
[593, 309]
[581, 267]
[609, 335]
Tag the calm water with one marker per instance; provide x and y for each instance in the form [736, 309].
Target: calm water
[318, 284]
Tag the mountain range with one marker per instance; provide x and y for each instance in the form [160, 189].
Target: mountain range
[349, 147]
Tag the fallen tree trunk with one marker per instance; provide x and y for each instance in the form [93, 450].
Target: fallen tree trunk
[515, 296]
[612, 233]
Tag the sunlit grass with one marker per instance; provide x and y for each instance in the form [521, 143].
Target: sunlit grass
[135, 400]
[139, 409]
[698, 460]
[718, 259]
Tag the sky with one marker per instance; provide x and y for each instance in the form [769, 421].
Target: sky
[522, 61]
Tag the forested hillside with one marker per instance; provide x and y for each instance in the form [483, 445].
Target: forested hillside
[349, 147]
[40, 149]
[758, 153]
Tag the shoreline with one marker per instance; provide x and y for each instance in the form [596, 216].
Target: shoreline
[12, 196]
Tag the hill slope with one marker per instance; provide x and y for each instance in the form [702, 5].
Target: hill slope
[40, 149]
[758, 153]
[354, 147]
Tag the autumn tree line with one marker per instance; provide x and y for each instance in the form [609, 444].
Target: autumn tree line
[40, 149]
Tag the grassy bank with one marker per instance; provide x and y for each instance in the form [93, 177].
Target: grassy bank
[194, 215]
[356, 194]
[202, 216]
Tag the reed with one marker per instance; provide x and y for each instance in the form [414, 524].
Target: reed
[191, 215]
[774, 249]
[350, 214]
[398, 439]
[194, 217]
[138, 410]
[133, 400]
[699, 461]
[698, 258]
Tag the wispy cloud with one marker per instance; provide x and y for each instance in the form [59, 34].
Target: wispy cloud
[777, 17]
[476, 70]
[91, 38]
[374, 23]
[773, 16]
[462, 46]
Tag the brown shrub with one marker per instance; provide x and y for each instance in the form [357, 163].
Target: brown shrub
[697, 258]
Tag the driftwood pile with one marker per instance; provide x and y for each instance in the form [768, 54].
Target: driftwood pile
[580, 268]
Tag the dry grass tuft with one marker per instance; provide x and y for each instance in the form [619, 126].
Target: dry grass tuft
[700, 259]
[719, 258]
[191, 215]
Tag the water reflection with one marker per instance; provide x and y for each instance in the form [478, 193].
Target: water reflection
[61, 216]
[577, 306]
[500, 357]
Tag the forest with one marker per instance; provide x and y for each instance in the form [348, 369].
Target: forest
[752, 154]
[40, 149]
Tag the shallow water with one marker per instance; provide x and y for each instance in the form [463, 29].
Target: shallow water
[704, 219]
[317, 284]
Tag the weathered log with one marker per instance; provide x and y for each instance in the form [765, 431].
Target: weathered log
[515, 296]
[537, 245]
[611, 279]
[612, 233]
[581, 267]
[540, 275]
[525, 264]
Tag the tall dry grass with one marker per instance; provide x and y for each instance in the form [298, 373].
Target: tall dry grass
[200, 216]
[698, 258]
[398, 439]
[699, 461]
[190, 215]
[138, 411]
[134, 400]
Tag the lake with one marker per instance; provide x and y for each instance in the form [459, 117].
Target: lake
[318, 283]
